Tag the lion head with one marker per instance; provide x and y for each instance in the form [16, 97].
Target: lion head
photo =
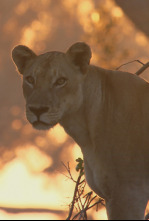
[52, 82]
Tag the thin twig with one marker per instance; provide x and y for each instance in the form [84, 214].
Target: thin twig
[92, 199]
[81, 206]
[77, 202]
[141, 70]
[87, 199]
[69, 172]
[130, 63]
[87, 208]
[74, 198]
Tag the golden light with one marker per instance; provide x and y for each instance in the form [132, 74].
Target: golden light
[117, 12]
[57, 135]
[101, 215]
[95, 16]
[20, 188]
[85, 10]
[28, 36]
[17, 124]
[36, 25]
[85, 7]
[40, 141]
[27, 129]
[35, 160]
[70, 5]
[34, 35]
[21, 8]
[7, 155]
[15, 110]
[76, 152]
[18, 192]
[141, 39]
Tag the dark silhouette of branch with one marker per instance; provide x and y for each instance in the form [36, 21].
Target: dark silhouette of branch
[100, 201]
[141, 70]
[129, 63]
[74, 198]
[81, 202]
[69, 172]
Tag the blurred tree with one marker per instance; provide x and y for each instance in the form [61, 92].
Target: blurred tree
[103, 34]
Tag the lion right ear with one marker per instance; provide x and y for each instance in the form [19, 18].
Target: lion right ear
[80, 55]
[21, 55]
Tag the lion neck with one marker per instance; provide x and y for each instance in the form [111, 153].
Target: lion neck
[80, 123]
[76, 126]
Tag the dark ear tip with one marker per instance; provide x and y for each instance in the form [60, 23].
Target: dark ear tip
[80, 43]
[21, 55]
[80, 54]
[18, 49]
[81, 47]
[21, 51]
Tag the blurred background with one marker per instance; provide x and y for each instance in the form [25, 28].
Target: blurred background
[32, 180]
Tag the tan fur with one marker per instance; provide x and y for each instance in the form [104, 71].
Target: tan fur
[107, 114]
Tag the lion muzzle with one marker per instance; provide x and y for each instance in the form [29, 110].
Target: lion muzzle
[38, 117]
[38, 111]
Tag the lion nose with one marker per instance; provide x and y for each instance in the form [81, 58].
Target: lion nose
[38, 111]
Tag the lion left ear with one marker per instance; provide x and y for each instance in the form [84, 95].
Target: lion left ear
[21, 55]
[80, 54]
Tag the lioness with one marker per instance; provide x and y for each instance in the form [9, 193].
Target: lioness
[106, 112]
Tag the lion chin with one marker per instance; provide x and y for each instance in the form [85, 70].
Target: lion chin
[39, 125]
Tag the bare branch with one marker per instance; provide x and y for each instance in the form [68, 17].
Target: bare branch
[80, 202]
[87, 208]
[129, 63]
[74, 198]
[87, 201]
[141, 70]
[69, 172]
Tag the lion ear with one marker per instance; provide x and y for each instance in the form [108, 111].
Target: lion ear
[80, 54]
[21, 55]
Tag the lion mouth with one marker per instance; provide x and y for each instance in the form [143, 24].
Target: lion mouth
[40, 125]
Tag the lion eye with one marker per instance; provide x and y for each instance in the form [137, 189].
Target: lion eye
[30, 80]
[61, 82]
